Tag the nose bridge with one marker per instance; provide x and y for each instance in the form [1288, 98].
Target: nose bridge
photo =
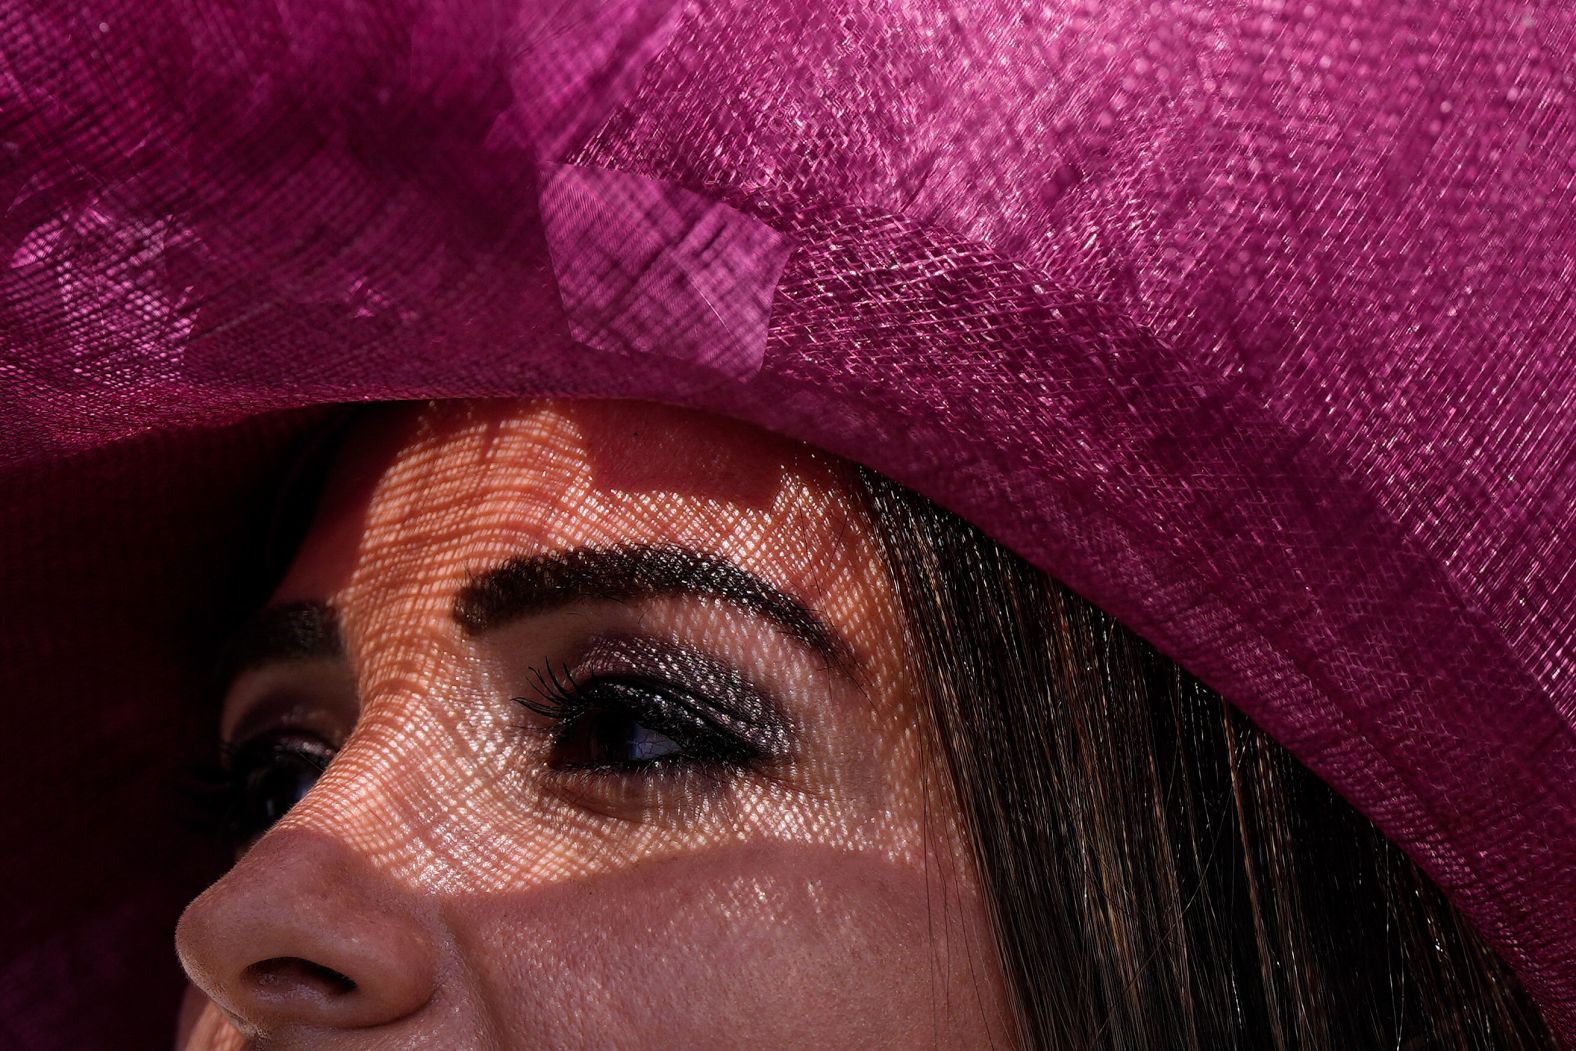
[420, 787]
[424, 783]
[384, 793]
[375, 792]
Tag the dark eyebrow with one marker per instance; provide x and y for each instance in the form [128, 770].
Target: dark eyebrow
[540, 583]
[292, 631]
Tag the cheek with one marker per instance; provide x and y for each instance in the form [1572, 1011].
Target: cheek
[775, 946]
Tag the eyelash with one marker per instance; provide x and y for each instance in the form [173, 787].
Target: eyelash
[680, 715]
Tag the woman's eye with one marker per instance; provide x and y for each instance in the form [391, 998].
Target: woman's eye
[612, 738]
[636, 725]
[268, 775]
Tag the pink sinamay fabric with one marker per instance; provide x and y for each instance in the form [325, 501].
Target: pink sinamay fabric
[1251, 321]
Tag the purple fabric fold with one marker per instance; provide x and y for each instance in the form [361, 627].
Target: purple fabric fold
[645, 267]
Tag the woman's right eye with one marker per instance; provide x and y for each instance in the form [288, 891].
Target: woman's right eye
[267, 775]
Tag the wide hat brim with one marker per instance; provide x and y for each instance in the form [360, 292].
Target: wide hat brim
[1253, 326]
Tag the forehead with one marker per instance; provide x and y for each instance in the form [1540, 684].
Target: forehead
[426, 494]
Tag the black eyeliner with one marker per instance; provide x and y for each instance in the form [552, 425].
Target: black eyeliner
[723, 696]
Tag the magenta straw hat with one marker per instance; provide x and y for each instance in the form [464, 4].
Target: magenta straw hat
[1251, 322]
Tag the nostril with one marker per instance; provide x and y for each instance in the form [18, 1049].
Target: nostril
[305, 934]
[293, 971]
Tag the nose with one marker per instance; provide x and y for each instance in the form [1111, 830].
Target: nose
[304, 932]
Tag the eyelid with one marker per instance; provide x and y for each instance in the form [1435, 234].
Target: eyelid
[316, 696]
[731, 701]
[283, 738]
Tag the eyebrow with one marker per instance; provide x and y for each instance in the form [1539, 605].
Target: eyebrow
[525, 586]
[291, 631]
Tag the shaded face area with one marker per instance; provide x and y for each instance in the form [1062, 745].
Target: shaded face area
[622, 750]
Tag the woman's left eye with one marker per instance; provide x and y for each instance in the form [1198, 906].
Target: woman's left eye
[612, 738]
[634, 724]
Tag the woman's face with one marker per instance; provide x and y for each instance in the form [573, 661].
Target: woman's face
[625, 753]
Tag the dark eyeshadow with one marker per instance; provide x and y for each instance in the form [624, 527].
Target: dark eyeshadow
[723, 695]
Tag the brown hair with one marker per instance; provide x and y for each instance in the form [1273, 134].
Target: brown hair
[1160, 873]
